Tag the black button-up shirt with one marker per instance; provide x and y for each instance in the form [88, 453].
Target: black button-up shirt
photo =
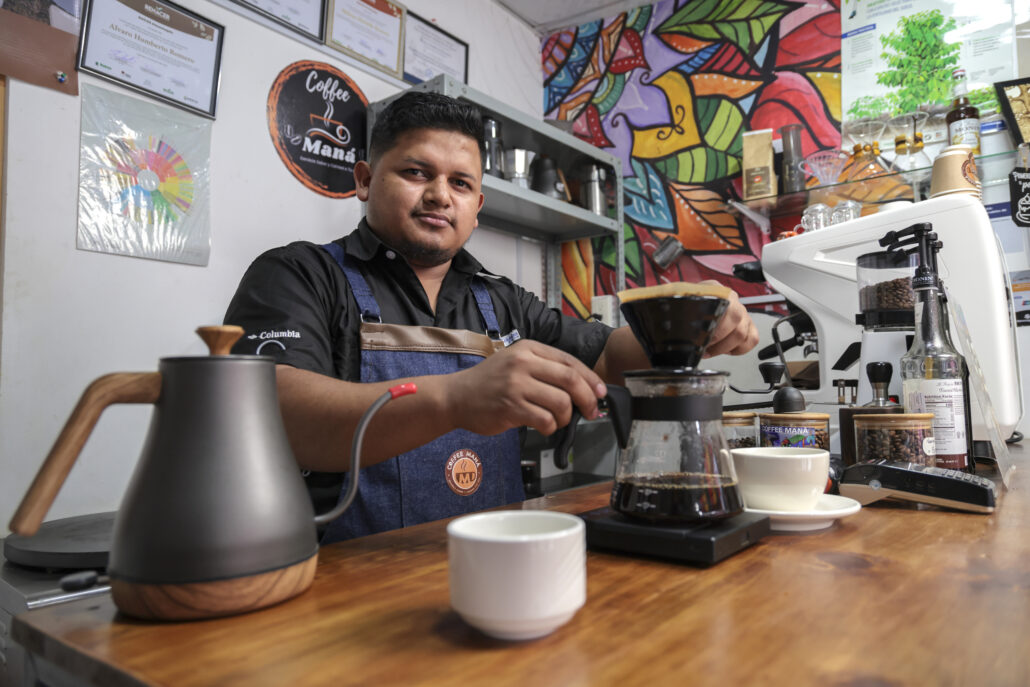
[296, 306]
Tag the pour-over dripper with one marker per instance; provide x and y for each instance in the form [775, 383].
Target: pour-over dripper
[674, 330]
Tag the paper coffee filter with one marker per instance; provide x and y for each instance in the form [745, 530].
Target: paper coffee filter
[673, 289]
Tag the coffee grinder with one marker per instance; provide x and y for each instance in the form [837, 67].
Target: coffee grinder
[886, 303]
[675, 492]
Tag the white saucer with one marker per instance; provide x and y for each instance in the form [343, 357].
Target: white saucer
[829, 508]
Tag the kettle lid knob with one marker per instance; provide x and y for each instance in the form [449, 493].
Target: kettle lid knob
[220, 338]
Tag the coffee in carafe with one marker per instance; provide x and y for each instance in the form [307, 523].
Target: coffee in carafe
[674, 466]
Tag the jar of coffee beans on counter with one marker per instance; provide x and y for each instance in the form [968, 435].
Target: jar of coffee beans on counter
[740, 429]
[905, 437]
[811, 430]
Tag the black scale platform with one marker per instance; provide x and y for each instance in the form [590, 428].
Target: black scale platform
[702, 544]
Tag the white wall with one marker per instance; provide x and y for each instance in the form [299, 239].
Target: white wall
[70, 316]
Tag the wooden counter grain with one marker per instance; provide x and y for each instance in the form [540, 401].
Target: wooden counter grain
[889, 596]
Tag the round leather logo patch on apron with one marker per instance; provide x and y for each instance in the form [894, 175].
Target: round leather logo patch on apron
[464, 472]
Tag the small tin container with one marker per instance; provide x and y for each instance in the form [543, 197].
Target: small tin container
[810, 430]
[904, 437]
[740, 429]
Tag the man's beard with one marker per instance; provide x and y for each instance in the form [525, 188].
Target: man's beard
[422, 255]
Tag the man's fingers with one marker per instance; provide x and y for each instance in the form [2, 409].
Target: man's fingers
[567, 382]
[591, 378]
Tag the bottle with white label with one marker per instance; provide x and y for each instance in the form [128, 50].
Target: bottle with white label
[964, 118]
[935, 378]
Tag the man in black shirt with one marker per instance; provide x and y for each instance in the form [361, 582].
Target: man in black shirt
[399, 298]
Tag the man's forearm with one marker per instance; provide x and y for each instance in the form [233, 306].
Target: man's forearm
[321, 414]
[622, 352]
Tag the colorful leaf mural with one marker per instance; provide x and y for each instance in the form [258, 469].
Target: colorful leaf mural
[744, 23]
[669, 89]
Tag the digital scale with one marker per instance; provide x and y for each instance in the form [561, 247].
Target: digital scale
[704, 543]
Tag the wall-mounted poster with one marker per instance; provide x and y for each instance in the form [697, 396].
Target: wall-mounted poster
[144, 179]
[429, 50]
[303, 16]
[368, 30]
[898, 55]
[317, 118]
[155, 47]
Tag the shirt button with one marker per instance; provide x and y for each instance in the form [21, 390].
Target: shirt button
[390, 255]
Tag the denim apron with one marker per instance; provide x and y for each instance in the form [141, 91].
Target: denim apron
[456, 473]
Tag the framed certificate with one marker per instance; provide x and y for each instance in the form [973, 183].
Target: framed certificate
[1014, 97]
[155, 47]
[368, 30]
[429, 50]
[306, 17]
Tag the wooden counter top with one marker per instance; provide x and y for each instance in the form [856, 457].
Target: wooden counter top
[888, 596]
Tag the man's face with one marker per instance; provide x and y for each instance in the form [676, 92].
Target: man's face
[423, 194]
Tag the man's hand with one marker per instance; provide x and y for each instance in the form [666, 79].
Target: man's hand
[736, 333]
[528, 383]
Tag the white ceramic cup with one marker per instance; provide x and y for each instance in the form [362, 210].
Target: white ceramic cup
[517, 574]
[781, 478]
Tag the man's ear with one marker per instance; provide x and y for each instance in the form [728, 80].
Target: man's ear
[362, 179]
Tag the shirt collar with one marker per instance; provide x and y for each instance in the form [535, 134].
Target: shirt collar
[363, 244]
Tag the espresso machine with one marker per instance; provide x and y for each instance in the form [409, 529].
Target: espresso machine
[818, 272]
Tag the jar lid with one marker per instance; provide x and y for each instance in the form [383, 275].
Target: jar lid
[738, 415]
[894, 419]
[788, 417]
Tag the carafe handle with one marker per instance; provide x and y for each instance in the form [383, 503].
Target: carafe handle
[355, 450]
[619, 405]
[119, 387]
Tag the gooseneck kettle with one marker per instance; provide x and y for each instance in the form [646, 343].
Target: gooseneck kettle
[216, 519]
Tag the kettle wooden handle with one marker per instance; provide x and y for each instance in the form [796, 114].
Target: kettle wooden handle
[119, 387]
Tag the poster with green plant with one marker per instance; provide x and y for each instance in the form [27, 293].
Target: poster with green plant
[899, 55]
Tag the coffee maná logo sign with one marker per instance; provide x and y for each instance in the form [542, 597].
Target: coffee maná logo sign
[317, 119]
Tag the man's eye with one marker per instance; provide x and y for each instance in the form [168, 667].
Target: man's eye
[414, 171]
[461, 182]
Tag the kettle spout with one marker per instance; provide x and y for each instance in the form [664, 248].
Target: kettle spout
[355, 450]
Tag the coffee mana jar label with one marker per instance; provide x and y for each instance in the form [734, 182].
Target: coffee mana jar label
[796, 430]
[317, 119]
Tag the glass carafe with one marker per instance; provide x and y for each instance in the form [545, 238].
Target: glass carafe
[675, 467]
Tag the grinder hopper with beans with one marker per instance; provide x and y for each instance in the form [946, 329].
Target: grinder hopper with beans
[216, 519]
[673, 464]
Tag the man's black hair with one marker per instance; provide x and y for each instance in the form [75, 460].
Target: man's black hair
[422, 110]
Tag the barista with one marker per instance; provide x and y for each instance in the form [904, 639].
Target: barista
[399, 298]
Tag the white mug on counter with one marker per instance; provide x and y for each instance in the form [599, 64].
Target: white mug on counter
[781, 478]
[517, 574]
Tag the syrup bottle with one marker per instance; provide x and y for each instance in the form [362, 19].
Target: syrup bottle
[963, 119]
[935, 377]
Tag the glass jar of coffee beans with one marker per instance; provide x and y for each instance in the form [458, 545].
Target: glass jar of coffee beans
[809, 430]
[905, 437]
[740, 429]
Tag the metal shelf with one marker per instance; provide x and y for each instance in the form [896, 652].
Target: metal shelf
[525, 212]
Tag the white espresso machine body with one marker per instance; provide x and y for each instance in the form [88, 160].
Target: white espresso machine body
[816, 271]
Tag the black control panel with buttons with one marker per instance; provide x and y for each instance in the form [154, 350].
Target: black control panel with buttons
[869, 482]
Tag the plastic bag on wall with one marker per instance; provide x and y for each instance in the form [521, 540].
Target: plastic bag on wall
[144, 179]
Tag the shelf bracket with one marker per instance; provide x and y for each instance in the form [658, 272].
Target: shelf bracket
[761, 220]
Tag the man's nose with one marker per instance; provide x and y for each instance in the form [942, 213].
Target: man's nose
[438, 191]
